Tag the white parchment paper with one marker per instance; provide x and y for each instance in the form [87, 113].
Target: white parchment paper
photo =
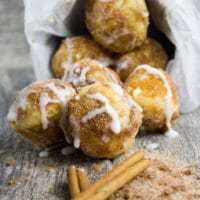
[47, 20]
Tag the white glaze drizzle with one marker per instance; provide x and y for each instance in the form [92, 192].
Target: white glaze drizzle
[115, 124]
[77, 97]
[104, 61]
[145, 14]
[168, 108]
[105, 138]
[117, 88]
[92, 114]
[71, 72]
[135, 104]
[171, 133]
[70, 49]
[143, 77]
[44, 101]
[77, 70]
[62, 94]
[136, 92]
[76, 131]
[75, 74]
[82, 77]
[122, 65]
[111, 75]
[20, 102]
[68, 63]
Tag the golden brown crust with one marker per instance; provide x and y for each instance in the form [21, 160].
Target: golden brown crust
[152, 98]
[91, 132]
[74, 49]
[119, 26]
[29, 119]
[150, 53]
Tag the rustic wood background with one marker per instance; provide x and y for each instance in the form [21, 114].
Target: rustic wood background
[23, 175]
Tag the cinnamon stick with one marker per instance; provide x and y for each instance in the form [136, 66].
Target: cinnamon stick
[106, 190]
[73, 181]
[82, 179]
[110, 175]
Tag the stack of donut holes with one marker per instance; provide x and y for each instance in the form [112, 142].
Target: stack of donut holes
[108, 86]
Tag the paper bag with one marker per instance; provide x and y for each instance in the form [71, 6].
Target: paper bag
[47, 21]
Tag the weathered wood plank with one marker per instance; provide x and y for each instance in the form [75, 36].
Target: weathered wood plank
[13, 48]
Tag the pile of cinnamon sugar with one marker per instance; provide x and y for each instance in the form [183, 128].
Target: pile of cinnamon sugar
[165, 179]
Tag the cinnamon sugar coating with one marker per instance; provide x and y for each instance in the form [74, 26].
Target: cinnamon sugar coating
[165, 179]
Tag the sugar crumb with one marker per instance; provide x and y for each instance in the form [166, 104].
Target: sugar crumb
[48, 168]
[52, 188]
[96, 167]
[43, 154]
[10, 161]
[14, 182]
[152, 146]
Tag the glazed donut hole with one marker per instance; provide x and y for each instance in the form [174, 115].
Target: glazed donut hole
[38, 112]
[103, 121]
[119, 26]
[155, 92]
[74, 49]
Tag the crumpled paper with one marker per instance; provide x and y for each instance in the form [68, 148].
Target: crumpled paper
[48, 20]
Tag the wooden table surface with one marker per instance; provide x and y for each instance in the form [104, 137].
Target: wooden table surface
[23, 174]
